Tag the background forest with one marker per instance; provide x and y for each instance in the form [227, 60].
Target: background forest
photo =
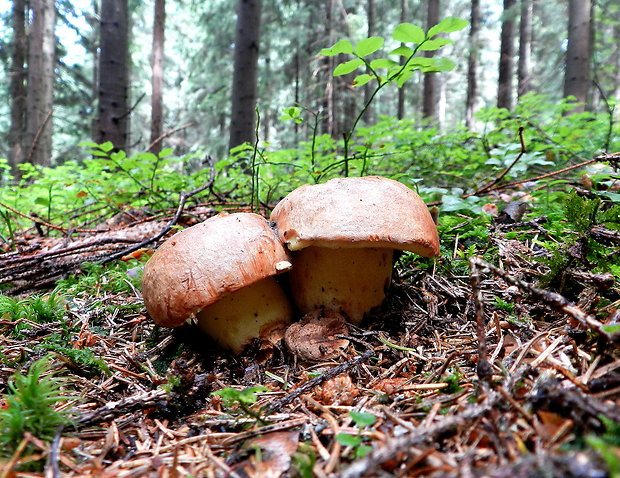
[123, 121]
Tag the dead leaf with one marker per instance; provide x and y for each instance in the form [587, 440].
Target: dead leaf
[340, 390]
[274, 459]
[314, 337]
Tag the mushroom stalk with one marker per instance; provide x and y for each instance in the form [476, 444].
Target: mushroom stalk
[349, 280]
[260, 310]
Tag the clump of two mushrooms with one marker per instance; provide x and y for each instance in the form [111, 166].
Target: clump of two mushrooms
[341, 235]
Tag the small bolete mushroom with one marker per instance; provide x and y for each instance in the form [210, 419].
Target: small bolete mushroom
[221, 271]
[343, 234]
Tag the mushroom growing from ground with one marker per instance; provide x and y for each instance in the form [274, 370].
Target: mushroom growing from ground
[222, 272]
[343, 234]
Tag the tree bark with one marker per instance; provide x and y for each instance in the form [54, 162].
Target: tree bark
[472, 64]
[525, 48]
[157, 80]
[247, 38]
[431, 93]
[577, 75]
[506, 60]
[17, 86]
[39, 101]
[114, 74]
[369, 87]
[404, 13]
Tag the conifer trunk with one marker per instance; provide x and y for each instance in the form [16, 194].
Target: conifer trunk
[506, 58]
[431, 93]
[577, 76]
[247, 38]
[114, 74]
[472, 64]
[17, 85]
[525, 47]
[39, 100]
[157, 80]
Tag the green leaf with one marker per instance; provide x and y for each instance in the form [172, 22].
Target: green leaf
[447, 25]
[408, 33]
[107, 146]
[382, 63]
[348, 440]
[165, 152]
[439, 64]
[402, 51]
[348, 66]
[361, 80]
[403, 77]
[611, 329]
[363, 419]
[435, 44]
[88, 144]
[368, 46]
[42, 201]
[343, 46]
[362, 450]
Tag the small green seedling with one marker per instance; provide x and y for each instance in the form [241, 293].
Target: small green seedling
[362, 420]
[242, 399]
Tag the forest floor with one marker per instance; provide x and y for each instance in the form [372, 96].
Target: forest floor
[458, 375]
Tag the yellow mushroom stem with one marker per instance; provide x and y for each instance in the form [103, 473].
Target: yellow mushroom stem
[349, 280]
[258, 310]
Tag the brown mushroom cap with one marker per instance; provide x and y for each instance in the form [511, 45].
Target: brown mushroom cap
[369, 211]
[197, 266]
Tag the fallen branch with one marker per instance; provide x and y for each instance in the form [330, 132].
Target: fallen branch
[182, 200]
[316, 381]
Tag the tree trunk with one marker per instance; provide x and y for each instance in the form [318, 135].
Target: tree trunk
[39, 101]
[369, 87]
[577, 76]
[472, 64]
[525, 48]
[114, 74]
[506, 57]
[247, 37]
[157, 80]
[431, 93]
[329, 114]
[17, 86]
[404, 13]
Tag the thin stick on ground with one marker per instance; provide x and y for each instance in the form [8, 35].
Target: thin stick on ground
[555, 300]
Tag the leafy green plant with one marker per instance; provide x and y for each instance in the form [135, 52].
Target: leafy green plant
[607, 445]
[32, 406]
[243, 400]
[386, 70]
[36, 308]
[362, 420]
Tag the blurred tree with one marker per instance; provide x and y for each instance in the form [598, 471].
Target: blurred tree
[404, 14]
[17, 87]
[431, 94]
[472, 63]
[157, 78]
[525, 47]
[247, 38]
[113, 111]
[506, 59]
[577, 75]
[39, 99]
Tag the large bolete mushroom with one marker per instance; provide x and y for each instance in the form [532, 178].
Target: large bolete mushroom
[221, 271]
[343, 234]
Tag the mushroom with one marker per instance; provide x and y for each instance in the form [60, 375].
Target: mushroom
[343, 234]
[222, 272]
